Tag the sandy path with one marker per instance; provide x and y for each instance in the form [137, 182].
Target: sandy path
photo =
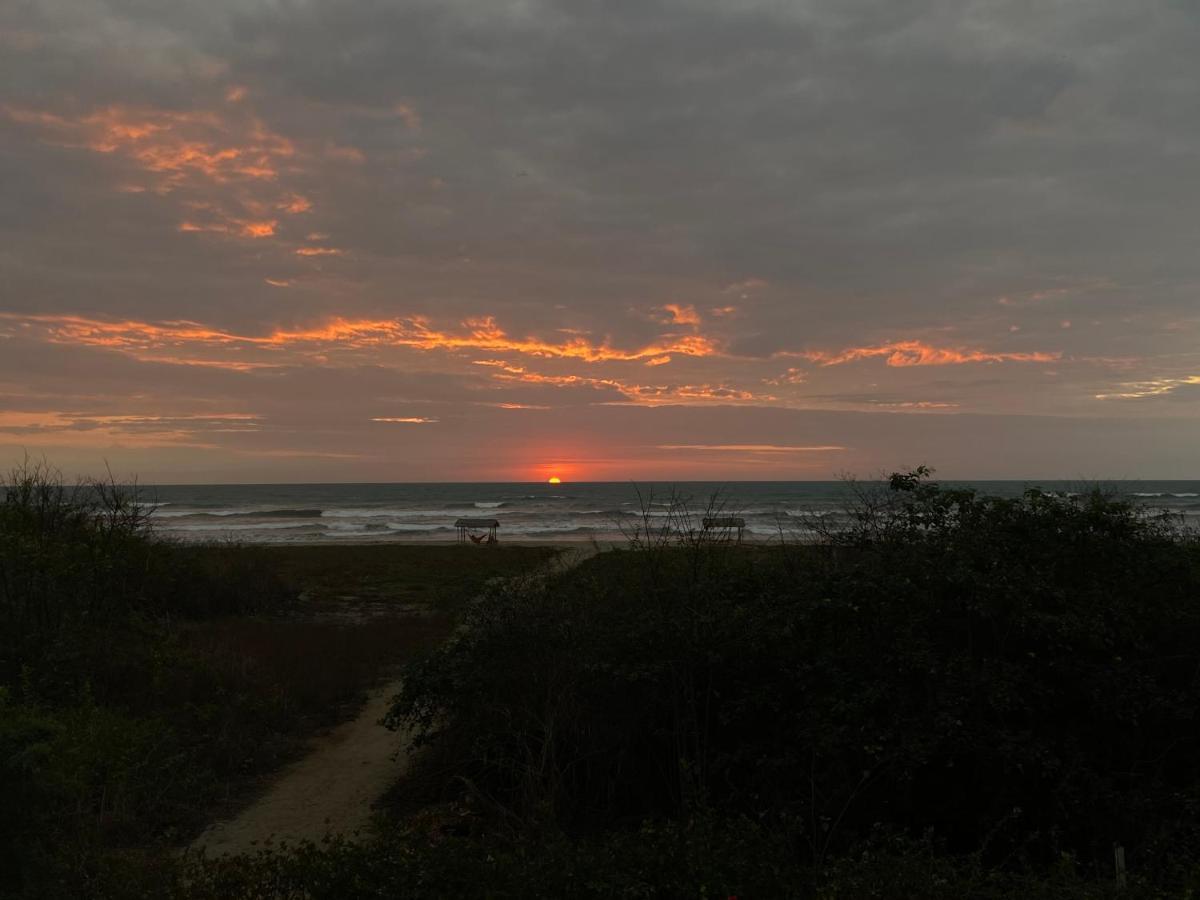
[332, 789]
[329, 791]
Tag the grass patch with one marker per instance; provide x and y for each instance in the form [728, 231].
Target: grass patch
[434, 578]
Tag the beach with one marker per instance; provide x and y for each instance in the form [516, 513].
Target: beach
[606, 512]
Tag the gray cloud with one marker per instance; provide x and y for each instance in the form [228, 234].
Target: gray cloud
[995, 177]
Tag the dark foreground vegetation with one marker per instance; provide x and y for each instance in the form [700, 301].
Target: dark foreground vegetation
[146, 686]
[961, 696]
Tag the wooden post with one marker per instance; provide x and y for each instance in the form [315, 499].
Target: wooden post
[1119, 863]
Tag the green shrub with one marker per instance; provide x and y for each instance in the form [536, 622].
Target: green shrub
[701, 857]
[78, 563]
[1018, 676]
[111, 730]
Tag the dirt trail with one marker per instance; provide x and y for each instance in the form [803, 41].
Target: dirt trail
[329, 791]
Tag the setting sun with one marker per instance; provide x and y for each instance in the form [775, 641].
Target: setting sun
[554, 479]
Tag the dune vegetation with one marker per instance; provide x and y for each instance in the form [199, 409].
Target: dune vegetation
[957, 696]
[147, 687]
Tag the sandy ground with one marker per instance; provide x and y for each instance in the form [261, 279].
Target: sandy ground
[329, 791]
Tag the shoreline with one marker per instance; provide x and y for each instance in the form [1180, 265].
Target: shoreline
[602, 543]
[571, 516]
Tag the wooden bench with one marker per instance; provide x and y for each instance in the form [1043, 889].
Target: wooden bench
[467, 526]
[724, 524]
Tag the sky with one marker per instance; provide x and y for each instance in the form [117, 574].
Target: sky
[459, 240]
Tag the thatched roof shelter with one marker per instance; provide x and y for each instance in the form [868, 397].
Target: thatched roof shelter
[468, 527]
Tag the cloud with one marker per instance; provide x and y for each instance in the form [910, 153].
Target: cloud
[476, 204]
[78, 429]
[791, 376]
[414, 332]
[1185, 387]
[171, 147]
[752, 448]
[242, 227]
[917, 353]
[224, 165]
[681, 314]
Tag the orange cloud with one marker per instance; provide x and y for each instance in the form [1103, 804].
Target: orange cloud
[1139, 390]
[241, 227]
[256, 229]
[649, 395]
[212, 226]
[417, 332]
[691, 393]
[319, 251]
[404, 420]
[226, 161]
[791, 376]
[916, 353]
[485, 334]
[681, 314]
[174, 144]
[294, 204]
[518, 373]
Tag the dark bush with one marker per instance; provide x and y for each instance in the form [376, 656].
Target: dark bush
[112, 729]
[1020, 678]
[702, 857]
[78, 562]
[697, 859]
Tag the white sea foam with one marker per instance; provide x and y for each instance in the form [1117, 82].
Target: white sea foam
[363, 513]
[218, 528]
[451, 512]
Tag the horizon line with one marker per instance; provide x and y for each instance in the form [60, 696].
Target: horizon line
[1073, 479]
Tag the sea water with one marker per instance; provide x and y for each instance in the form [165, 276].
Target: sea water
[608, 511]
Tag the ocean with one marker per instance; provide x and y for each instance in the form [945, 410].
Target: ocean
[305, 513]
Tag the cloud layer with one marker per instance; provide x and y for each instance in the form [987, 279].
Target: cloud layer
[467, 239]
